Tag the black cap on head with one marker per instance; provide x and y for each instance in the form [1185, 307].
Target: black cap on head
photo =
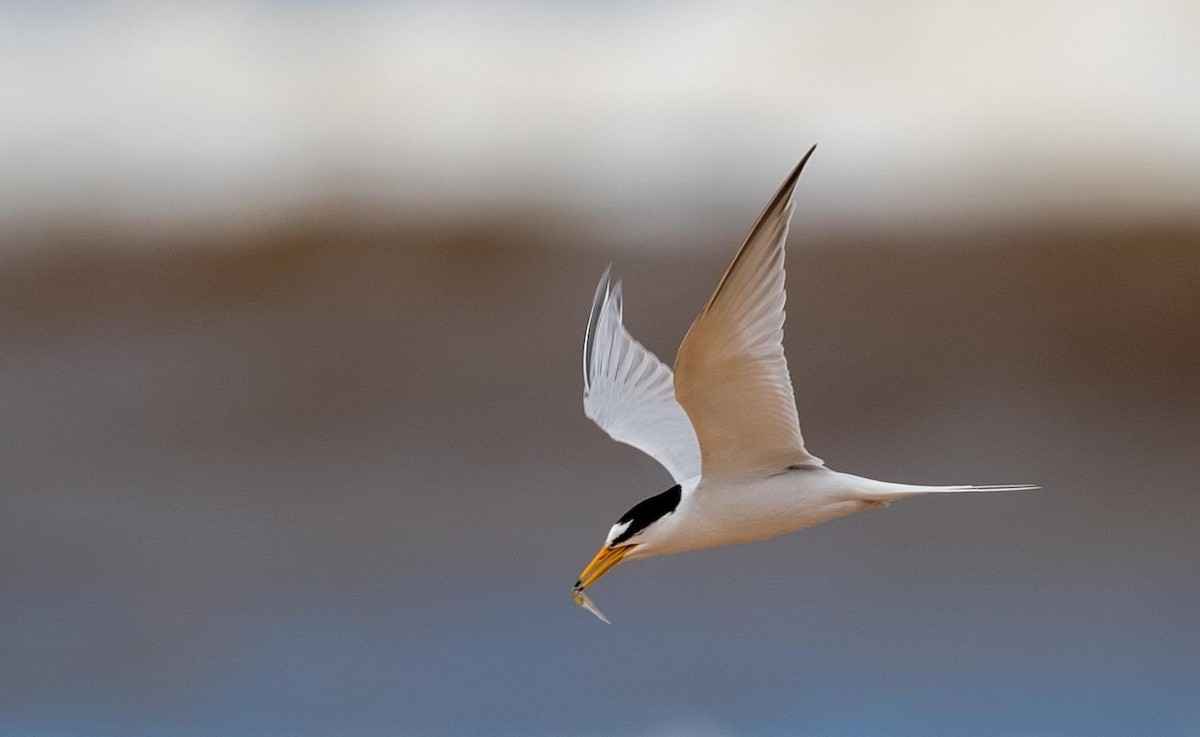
[647, 512]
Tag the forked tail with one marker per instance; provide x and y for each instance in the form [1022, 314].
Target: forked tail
[985, 487]
[886, 490]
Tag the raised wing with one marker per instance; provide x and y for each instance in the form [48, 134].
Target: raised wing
[630, 394]
[731, 375]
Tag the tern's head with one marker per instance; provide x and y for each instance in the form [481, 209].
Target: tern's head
[638, 533]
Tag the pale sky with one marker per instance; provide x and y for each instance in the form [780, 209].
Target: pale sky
[651, 112]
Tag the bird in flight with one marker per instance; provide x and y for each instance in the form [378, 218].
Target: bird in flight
[724, 424]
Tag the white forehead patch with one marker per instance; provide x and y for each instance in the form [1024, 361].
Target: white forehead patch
[616, 531]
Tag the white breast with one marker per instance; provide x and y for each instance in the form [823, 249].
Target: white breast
[723, 513]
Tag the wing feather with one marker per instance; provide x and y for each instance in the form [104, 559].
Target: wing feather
[731, 375]
[630, 394]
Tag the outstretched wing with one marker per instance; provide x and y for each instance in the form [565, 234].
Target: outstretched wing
[731, 375]
[630, 394]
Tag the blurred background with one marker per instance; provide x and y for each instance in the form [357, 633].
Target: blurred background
[291, 304]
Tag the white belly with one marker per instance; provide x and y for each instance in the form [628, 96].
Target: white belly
[725, 513]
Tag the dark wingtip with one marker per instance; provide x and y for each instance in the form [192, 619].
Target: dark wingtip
[804, 160]
[774, 209]
[789, 184]
[784, 195]
[602, 291]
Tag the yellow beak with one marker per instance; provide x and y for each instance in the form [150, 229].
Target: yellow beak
[604, 560]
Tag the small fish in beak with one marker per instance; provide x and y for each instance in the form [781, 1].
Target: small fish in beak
[601, 564]
[582, 600]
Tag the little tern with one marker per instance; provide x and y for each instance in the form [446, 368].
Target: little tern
[724, 424]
